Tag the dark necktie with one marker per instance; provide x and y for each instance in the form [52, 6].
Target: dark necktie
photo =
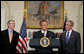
[67, 38]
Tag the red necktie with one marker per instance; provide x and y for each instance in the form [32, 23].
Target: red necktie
[44, 34]
[10, 36]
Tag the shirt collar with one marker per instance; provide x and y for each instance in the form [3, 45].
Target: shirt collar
[9, 30]
[43, 31]
[70, 31]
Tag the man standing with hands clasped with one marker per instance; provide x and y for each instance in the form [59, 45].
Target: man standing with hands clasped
[70, 39]
[9, 38]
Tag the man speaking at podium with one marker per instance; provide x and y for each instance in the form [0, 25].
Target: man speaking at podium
[43, 33]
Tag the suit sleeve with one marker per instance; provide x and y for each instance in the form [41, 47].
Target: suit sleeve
[16, 37]
[2, 42]
[78, 43]
[61, 48]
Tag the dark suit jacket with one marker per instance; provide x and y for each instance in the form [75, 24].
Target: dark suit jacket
[38, 35]
[74, 43]
[6, 46]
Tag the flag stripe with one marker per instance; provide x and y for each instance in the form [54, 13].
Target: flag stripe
[20, 41]
[18, 50]
[24, 48]
[20, 44]
[24, 43]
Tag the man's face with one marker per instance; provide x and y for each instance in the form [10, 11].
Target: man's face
[12, 25]
[68, 26]
[44, 26]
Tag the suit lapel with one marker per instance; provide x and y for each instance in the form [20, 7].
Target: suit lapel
[7, 35]
[71, 36]
[65, 36]
[13, 36]
[41, 34]
[47, 34]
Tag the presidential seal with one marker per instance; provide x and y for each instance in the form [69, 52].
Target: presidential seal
[44, 42]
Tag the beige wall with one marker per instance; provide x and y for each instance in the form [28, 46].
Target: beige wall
[6, 8]
[75, 13]
[14, 11]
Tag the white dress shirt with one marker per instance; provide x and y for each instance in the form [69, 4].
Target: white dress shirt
[9, 32]
[44, 33]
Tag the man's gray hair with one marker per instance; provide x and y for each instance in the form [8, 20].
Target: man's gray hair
[8, 23]
[71, 22]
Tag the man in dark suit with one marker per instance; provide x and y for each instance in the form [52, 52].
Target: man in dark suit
[70, 39]
[43, 33]
[9, 38]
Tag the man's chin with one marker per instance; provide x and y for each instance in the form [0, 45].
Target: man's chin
[44, 29]
[66, 29]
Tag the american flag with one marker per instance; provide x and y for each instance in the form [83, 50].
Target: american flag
[22, 45]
